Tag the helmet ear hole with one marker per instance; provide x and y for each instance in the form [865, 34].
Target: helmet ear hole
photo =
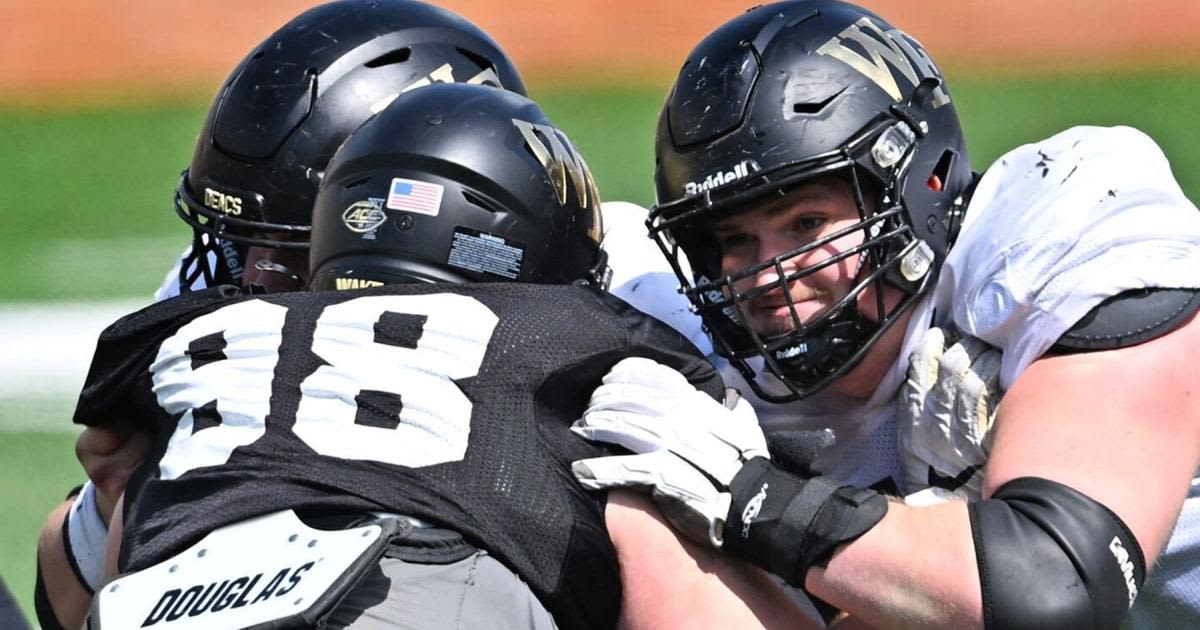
[941, 171]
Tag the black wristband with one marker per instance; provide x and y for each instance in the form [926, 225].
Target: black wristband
[786, 524]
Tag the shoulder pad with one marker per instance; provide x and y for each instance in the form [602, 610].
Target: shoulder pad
[1129, 318]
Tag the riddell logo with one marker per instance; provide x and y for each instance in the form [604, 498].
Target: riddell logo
[1122, 556]
[720, 178]
[233, 260]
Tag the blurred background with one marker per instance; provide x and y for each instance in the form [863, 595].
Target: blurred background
[101, 101]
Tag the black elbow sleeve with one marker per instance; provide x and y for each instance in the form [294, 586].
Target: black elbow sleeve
[1051, 558]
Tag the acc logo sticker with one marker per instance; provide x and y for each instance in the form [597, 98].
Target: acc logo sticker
[364, 216]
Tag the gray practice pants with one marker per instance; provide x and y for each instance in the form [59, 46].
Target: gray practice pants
[475, 592]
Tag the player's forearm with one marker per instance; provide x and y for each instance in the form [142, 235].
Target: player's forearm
[914, 569]
[668, 582]
[68, 598]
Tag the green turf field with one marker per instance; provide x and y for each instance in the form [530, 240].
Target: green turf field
[36, 471]
[85, 209]
[86, 195]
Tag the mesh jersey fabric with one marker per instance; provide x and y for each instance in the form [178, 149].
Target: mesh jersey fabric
[503, 481]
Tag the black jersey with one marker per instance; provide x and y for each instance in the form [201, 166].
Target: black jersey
[450, 403]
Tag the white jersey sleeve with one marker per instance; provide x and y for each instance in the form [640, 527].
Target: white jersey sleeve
[641, 274]
[1056, 227]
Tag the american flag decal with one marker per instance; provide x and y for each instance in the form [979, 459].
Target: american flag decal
[413, 196]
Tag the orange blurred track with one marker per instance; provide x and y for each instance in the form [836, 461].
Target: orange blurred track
[67, 49]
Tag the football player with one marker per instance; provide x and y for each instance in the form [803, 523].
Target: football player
[398, 454]
[283, 111]
[249, 189]
[1012, 353]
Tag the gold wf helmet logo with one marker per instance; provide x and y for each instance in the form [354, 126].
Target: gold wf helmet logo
[223, 203]
[888, 53]
[561, 160]
[443, 74]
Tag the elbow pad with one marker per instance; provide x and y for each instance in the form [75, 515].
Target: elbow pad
[1050, 557]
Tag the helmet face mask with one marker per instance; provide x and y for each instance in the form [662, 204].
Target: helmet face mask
[902, 161]
[457, 183]
[285, 109]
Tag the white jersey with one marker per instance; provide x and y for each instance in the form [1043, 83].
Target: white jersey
[1052, 229]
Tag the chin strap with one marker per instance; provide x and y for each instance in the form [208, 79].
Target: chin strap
[825, 349]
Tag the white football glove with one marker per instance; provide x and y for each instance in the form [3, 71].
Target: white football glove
[687, 446]
[946, 411]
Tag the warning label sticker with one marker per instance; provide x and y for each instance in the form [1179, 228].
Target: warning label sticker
[485, 253]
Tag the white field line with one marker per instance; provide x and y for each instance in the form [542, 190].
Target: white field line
[45, 350]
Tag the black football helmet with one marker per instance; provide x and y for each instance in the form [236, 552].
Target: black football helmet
[783, 94]
[287, 106]
[457, 183]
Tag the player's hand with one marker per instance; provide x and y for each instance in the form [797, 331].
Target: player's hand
[109, 455]
[687, 447]
[947, 406]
